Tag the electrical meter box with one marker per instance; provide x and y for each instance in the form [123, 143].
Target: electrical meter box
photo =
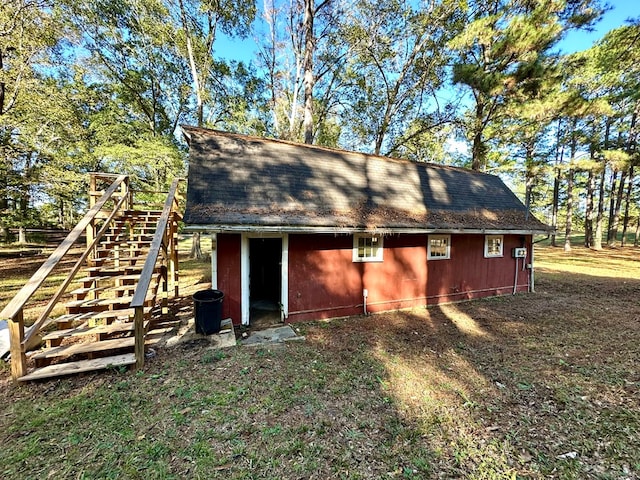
[519, 253]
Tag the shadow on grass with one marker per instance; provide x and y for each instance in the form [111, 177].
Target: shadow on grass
[532, 385]
[496, 388]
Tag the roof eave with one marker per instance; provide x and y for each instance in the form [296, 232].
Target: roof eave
[335, 230]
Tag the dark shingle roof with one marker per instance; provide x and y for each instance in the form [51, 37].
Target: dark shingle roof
[237, 180]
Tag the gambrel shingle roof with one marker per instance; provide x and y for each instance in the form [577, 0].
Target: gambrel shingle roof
[241, 181]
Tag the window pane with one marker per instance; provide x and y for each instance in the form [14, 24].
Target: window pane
[368, 248]
[361, 247]
[439, 246]
[494, 245]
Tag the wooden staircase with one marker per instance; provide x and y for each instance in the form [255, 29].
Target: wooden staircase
[114, 309]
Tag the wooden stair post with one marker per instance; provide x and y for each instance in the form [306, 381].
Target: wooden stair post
[131, 264]
[17, 347]
[91, 227]
[139, 333]
[173, 257]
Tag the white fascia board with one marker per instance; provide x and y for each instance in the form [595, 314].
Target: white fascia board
[270, 229]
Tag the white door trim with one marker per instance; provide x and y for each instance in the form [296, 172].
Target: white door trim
[214, 261]
[284, 282]
[244, 274]
[244, 279]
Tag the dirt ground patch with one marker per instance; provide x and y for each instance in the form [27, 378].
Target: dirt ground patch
[542, 385]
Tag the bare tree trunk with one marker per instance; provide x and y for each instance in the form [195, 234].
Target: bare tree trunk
[569, 220]
[269, 57]
[554, 207]
[597, 244]
[556, 183]
[635, 238]
[192, 64]
[616, 210]
[198, 86]
[478, 161]
[597, 238]
[529, 176]
[198, 77]
[3, 86]
[627, 201]
[612, 204]
[196, 249]
[631, 149]
[309, 80]
[588, 215]
[568, 223]
[615, 199]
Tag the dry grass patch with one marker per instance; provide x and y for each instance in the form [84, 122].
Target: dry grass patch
[529, 386]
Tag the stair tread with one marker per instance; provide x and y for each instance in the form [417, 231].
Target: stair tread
[56, 334]
[98, 302]
[125, 312]
[89, 347]
[96, 278]
[85, 290]
[86, 330]
[85, 347]
[115, 271]
[131, 276]
[124, 248]
[125, 262]
[71, 317]
[109, 269]
[129, 236]
[70, 368]
[135, 212]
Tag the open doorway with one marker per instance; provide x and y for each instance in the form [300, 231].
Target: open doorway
[265, 281]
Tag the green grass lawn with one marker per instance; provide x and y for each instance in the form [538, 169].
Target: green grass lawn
[542, 385]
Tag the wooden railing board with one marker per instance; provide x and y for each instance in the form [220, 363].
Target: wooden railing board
[157, 245]
[154, 249]
[162, 245]
[25, 293]
[67, 281]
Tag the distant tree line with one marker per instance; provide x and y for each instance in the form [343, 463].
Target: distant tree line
[103, 86]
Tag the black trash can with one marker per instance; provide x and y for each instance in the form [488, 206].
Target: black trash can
[208, 311]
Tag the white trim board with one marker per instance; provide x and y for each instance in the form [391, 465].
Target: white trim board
[244, 274]
[266, 230]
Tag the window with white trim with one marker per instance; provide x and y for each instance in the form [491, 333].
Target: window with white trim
[493, 246]
[367, 248]
[439, 247]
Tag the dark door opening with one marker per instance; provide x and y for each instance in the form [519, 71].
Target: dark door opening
[265, 279]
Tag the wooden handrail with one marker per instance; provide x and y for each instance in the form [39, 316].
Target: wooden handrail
[144, 281]
[15, 306]
[104, 175]
[54, 300]
[154, 249]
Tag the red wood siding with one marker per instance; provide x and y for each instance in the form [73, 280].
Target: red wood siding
[229, 275]
[467, 274]
[324, 282]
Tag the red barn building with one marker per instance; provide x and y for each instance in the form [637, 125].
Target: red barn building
[324, 233]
